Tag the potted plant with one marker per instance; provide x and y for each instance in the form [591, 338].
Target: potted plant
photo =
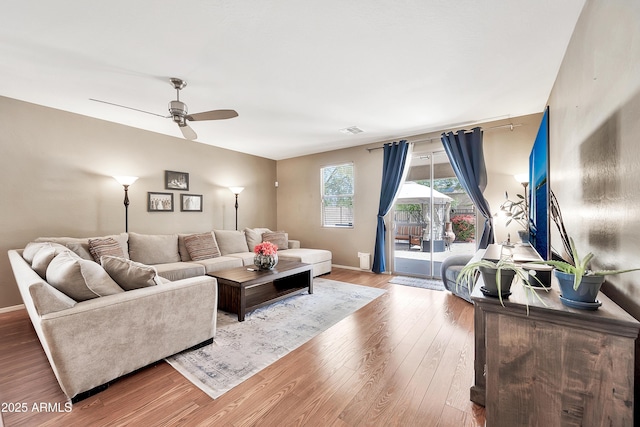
[517, 211]
[579, 284]
[497, 277]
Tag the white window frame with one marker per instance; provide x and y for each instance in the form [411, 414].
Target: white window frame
[324, 197]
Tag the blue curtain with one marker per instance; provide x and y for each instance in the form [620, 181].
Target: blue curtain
[467, 159]
[395, 157]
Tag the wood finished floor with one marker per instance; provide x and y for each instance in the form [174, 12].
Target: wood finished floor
[406, 359]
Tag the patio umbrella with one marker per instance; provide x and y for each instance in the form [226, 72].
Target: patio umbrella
[412, 192]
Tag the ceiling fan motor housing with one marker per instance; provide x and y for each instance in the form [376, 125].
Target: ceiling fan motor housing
[178, 111]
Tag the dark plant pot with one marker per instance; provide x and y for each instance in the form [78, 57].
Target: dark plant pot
[490, 275]
[587, 292]
[541, 277]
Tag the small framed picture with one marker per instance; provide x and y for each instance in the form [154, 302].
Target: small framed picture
[191, 202]
[160, 202]
[176, 180]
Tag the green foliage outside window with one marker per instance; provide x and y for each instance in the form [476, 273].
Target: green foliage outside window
[337, 195]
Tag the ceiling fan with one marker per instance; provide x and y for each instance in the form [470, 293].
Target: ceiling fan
[178, 111]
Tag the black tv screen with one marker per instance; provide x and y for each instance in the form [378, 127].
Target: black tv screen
[539, 231]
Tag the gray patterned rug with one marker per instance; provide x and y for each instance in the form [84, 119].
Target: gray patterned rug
[242, 349]
[416, 282]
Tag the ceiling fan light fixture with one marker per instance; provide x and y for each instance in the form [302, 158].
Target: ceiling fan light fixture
[178, 111]
[177, 108]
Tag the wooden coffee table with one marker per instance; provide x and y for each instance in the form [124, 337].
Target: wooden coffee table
[241, 290]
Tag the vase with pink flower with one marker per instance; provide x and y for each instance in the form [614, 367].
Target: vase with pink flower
[266, 255]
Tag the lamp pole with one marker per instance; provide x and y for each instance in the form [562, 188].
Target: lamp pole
[126, 181]
[126, 208]
[236, 191]
[236, 211]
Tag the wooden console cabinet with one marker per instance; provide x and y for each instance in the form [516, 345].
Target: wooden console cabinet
[555, 366]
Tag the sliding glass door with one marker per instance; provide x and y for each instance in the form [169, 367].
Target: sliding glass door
[433, 218]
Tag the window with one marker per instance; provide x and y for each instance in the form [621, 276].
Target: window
[337, 195]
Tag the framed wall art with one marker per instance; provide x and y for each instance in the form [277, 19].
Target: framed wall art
[176, 180]
[191, 202]
[160, 202]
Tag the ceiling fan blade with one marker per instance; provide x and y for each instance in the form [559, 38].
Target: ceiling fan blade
[187, 132]
[213, 115]
[130, 108]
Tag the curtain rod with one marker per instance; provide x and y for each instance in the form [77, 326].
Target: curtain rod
[511, 126]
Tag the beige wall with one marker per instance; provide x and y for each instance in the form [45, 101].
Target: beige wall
[506, 153]
[594, 118]
[299, 202]
[56, 171]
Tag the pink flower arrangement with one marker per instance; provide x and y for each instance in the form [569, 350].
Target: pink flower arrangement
[265, 248]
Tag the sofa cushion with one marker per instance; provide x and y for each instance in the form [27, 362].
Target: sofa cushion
[81, 245]
[254, 236]
[129, 274]
[80, 279]
[103, 247]
[43, 257]
[221, 263]
[278, 238]
[201, 246]
[231, 241]
[246, 257]
[307, 256]
[153, 248]
[179, 270]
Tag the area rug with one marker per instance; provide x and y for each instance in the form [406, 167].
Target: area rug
[417, 282]
[242, 349]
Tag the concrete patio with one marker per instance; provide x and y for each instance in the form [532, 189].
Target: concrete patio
[417, 263]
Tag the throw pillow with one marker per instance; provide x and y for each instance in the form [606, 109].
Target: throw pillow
[254, 236]
[80, 279]
[231, 241]
[44, 256]
[104, 247]
[278, 238]
[154, 248]
[32, 249]
[129, 274]
[201, 246]
[81, 245]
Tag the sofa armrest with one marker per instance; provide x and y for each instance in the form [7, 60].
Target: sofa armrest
[102, 339]
[294, 244]
[449, 271]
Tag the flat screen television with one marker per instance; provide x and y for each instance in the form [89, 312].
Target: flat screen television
[539, 227]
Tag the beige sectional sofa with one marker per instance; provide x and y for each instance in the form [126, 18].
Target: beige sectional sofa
[145, 299]
[169, 254]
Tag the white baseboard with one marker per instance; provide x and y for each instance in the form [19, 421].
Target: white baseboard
[348, 267]
[12, 308]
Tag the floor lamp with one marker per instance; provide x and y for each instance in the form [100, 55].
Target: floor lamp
[126, 181]
[236, 191]
[523, 179]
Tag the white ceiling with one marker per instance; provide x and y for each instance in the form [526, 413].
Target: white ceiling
[296, 71]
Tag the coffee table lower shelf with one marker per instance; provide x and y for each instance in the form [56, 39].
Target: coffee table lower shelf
[241, 290]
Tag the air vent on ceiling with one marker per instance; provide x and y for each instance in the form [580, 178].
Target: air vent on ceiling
[353, 130]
